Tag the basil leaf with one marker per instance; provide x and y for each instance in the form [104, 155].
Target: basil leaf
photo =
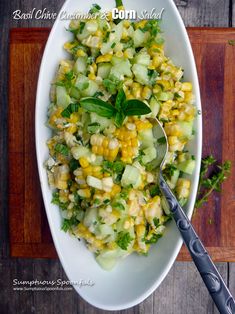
[119, 118]
[98, 106]
[134, 107]
[121, 97]
[73, 107]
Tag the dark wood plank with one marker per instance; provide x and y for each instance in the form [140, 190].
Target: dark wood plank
[213, 13]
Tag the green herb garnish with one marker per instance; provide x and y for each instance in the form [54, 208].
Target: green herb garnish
[68, 223]
[231, 42]
[62, 149]
[213, 182]
[122, 108]
[73, 107]
[124, 239]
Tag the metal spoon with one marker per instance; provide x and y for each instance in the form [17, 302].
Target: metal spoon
[209, 273]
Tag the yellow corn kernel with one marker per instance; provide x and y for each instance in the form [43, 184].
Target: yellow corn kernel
[151, 66]
[141, 24]
[113, 154]
[74, 117]
[84, 193]
[173, 129]
[116, 189]
[84, 162]
[94, 67]
[130, 96]
[175, 112]
[91, 76]
[134, 142]
[80, 53]
[109, 16]
[119, 54]
[72, 129]
[128, 53]
[100, 150]
[88, 171]
[166, 84]
[62, 185]
[187, 87]
[156, 61]
[68, 46]
[98, 33]
[126, 23]
[104, 58]
[146, 93]
[105, 143]
[140, 230]
[172, 140]
[112, 245]
[95, 149]
[143, 125]
[125, 34]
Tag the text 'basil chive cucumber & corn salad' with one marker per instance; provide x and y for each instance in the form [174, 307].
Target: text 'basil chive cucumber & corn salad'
[116, 79]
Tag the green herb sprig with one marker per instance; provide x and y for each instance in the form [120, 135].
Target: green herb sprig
[122, 108]
[208, 184]
[124, 239]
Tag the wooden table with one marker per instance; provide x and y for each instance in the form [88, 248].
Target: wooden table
[182, 291]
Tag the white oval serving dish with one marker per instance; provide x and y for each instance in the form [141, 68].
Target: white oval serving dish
[136, 277]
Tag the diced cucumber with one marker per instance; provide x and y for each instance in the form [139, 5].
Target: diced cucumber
[106, 48]
[186, 128]
[154, 106]
[121, 69]
[150, 154]
[131, 176]
[82, 82]
[108, 259]
[104, 230]
[90, 216]
[90, 90]
[142, 58]
[81, 65]
[141, 74]
[107, 263]
[187, 166]
[91, 26]
[94, 182]
[139, 37]
[104, 122]
[116, 60]
[146, 138]
[104, 70]
[74, 93]
[172, 182]
[80, 151]
[62, 97]
[164, 96]
[165, 205]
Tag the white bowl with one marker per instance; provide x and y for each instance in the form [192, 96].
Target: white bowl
[136, 277]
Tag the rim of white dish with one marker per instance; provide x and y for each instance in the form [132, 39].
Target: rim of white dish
[154, 286]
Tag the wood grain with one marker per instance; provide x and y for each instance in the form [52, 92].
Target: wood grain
[214, 57]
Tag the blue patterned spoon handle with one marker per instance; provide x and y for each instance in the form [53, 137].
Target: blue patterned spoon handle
[210, 275]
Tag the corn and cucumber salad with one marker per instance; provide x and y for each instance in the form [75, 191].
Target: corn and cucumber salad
[102, 150]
